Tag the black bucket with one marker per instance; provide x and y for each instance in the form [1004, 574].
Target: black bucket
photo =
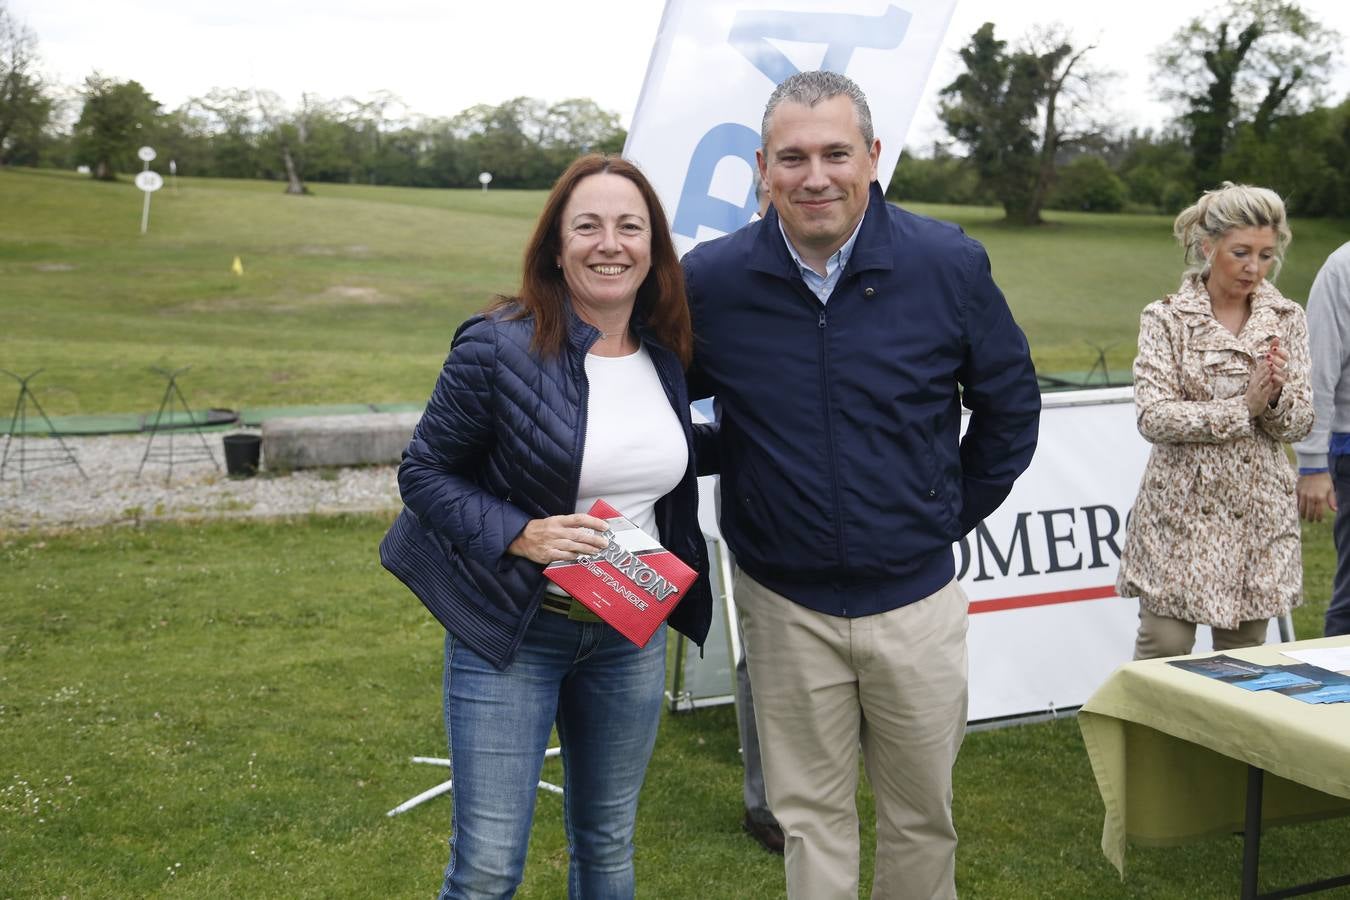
[242, 453]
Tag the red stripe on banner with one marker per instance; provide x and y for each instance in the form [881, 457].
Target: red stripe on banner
[1029, 600]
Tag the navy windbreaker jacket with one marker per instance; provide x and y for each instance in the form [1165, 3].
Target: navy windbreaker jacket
[843, 482]
[499, 444]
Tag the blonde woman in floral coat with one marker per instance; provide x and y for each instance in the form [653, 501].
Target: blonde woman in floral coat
[1220, 383]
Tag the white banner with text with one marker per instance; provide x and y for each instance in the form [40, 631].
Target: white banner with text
[1046, 626]
[696, 127]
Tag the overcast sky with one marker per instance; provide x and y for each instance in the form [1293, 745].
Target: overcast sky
[441, 56]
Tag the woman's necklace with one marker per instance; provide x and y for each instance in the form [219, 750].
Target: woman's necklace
[617, 346]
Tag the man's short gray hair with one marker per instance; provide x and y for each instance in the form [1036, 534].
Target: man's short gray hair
[810, 88]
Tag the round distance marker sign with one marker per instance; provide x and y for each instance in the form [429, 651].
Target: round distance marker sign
[146, 154]
[149, 181]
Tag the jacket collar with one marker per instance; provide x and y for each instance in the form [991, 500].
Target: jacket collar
[1191, 301]
[873, 249]
[580, 333]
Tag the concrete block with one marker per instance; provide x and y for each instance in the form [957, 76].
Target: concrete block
[305, 442]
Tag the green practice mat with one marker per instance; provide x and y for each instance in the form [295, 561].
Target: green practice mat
[211, 419]
[122, 423]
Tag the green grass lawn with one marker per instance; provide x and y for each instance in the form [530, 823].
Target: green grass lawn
[352, 295]
[348, 296]
[227, 710]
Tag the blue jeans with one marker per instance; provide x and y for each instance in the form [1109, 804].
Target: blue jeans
[1338, 613]
[604, 694]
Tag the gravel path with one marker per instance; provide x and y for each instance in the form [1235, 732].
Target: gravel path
[58, 497]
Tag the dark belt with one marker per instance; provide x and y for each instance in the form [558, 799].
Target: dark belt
[555, 604]
[566, 606]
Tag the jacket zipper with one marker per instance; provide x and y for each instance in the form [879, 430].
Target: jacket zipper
[688, 495]
[584, 422]
[832, 462]
[691, 464]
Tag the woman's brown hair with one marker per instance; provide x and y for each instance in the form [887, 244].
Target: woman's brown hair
[661, 306]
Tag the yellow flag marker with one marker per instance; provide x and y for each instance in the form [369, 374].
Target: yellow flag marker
[237, 267]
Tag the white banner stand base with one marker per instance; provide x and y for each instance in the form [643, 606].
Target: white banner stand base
[445, 786]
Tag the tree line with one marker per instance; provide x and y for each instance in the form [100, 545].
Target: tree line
[235, 133]
[1028, 125]
[238, 133]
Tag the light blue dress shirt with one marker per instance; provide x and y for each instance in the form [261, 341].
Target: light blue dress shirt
[823, 285]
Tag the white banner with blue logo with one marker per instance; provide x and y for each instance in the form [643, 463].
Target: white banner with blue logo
[715, 63]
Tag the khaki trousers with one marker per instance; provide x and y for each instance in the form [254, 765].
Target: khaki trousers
[894, 682]
[1164, 636]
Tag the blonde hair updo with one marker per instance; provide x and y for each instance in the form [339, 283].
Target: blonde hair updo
[1224, 209]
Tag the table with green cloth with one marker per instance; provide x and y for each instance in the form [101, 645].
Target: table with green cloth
[1171, 751]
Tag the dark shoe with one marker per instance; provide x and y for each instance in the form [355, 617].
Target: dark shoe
[767, 834]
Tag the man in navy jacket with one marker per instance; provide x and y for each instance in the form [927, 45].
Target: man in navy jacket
[841, 336]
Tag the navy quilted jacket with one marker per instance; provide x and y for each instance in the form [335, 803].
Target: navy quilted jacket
[500, 444]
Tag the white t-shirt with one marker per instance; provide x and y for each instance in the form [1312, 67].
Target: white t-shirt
[635, 452]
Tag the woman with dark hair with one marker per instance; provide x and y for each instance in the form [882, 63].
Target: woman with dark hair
[570, 392]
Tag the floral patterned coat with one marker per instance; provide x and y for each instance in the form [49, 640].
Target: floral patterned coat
[1214, 535]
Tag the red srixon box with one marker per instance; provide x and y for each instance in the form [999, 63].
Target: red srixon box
[633, 584]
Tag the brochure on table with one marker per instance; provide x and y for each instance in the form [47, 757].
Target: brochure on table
[1301, 681]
